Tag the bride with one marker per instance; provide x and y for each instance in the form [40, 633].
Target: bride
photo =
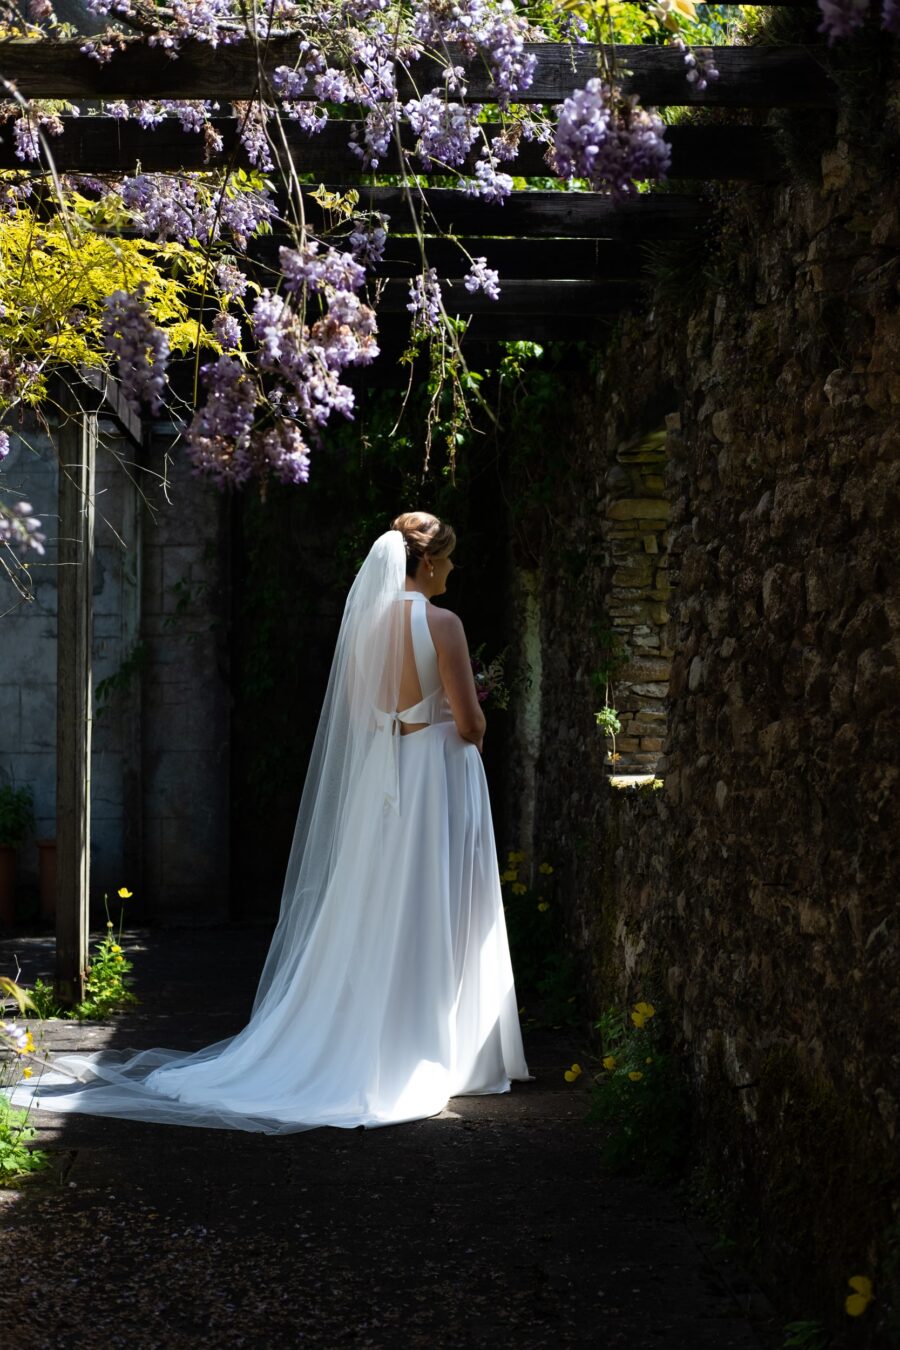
[387, 988]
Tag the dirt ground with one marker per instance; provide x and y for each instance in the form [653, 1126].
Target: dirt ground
[490, 1225]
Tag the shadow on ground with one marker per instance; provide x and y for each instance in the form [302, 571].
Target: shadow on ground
[489, 1225]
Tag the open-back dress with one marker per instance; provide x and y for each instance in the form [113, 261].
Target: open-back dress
[401, 996]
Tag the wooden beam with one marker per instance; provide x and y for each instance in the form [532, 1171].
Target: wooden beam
[540, 215]
[586, 299]
[757, 77]
[105, 144]
[526, 259]
[77, 444]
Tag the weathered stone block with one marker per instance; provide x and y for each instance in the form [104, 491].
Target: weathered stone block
[643, 508]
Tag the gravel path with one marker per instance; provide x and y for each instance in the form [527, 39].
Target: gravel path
[490, 1225]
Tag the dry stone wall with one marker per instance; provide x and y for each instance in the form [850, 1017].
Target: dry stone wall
[752, 896]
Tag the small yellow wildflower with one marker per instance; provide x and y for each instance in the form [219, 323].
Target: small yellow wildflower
[857, 1302]
[635, 1075]
[120, 958]
[571, 1074]
[125, 893]
[29, 1041]
[511, 874]
[518, 888]
[115, 947]
[543, 906]
[109, 923]
[642, 1013]
[26, 1072]
[545, 870]
[609, 1063]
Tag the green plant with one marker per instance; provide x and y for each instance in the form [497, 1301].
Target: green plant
[806, 1335]
[543, 966]
[16, 1051]
[106, 986]
[15, 1155]
[134, 663]
[639, 1097]
[16, 814]
[608, 720]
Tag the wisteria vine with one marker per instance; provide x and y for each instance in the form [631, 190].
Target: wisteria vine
[280, 340]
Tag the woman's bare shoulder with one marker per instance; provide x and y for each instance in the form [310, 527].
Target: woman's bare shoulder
[444, 624]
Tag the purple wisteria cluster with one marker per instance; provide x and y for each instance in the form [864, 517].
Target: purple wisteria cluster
[19, 529]
[480, 277]
[841, 18]
[139, 348]
[425, 302]
[167, 207]
[256, 422]
[609, 141]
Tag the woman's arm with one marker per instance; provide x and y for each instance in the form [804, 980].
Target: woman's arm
[455, 669]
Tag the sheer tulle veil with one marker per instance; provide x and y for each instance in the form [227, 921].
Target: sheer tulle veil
[226, 1084]
[364, 682]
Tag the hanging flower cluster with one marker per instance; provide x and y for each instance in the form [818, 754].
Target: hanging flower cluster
[609, 141]
[253, 424]
[139, 347]
[841, 18]
[19, 528]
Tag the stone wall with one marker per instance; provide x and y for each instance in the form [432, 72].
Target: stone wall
[636, 513]
[160, 761]
[752, 896]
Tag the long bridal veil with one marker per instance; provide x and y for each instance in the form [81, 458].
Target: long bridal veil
[238, 1082]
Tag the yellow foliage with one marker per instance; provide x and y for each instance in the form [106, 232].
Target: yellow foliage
[55, 275]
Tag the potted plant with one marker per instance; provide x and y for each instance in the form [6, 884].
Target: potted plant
[16, 819]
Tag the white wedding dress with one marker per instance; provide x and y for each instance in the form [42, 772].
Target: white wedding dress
[388, 987]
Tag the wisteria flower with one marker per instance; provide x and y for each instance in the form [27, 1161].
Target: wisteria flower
[140, 348]
[480, 277]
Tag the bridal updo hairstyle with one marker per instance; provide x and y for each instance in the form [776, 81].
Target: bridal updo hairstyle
[423, 534]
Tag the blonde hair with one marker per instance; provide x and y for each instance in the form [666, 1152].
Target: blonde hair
[423, 533]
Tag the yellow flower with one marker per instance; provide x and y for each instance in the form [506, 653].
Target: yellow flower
[543, 906]
[109, 923]
[516, 857]
[125, 893]
[120, 958]
[642, 1013]
[609, 1062]
[571, 1074]
[635, 1075]
[510, 874]
[518, 889]
[857, 1302]
[29, 1041]
[26, 1072]
[115, 947]
[545, 870]
[648, 1060]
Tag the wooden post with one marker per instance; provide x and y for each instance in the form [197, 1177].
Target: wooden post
[76, 445]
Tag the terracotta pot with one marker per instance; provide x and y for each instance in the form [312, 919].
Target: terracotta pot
[47, 876]
[7, 886]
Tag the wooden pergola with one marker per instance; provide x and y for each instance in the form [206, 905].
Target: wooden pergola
[569, 262]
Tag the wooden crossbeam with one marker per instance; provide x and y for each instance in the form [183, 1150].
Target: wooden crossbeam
[525, 259]
[758, 77]
[542, 215]
[102, 144]
[585, 299]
